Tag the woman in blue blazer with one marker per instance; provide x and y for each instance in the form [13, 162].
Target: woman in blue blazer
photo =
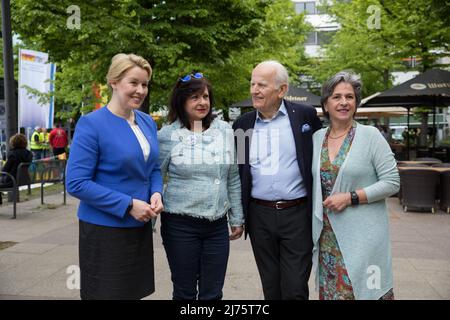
[113, 170]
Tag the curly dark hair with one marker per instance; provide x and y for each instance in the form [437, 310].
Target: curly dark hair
[181, 92]
[18, 141]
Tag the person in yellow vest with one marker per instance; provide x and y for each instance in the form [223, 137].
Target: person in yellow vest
[44, 138]
[36, 143]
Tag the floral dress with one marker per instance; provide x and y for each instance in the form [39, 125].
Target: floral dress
[334, 282]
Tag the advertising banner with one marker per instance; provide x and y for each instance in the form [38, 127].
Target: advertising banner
[36, 73]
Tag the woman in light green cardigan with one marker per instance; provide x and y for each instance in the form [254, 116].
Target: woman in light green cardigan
[354, 172]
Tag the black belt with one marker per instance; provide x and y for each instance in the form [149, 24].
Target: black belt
[280, 204]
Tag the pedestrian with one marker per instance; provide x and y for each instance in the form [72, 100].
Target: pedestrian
[275, 171]
[36, 143]
[354, 171]
[18, 154]
[58, 140]
[203, 193]
[113, 169]
[45, 146]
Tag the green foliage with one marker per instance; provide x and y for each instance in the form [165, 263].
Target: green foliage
[224, 39]
[172, 35]
[374, 52]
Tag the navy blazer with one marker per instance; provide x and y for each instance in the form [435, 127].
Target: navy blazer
[304, 122]
[106, 167]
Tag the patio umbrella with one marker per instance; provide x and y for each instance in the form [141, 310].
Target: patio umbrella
[294, 94]
[430, 89]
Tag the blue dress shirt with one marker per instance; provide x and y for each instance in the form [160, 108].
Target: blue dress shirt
[273, 159]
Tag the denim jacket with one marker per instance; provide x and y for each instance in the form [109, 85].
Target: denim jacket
[201, 172]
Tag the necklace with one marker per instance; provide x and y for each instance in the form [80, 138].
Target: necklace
[345, 132]
[330, 137]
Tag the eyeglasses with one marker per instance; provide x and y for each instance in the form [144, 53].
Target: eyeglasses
[189, 77]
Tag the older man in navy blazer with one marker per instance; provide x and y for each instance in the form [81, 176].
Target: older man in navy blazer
[274, 148]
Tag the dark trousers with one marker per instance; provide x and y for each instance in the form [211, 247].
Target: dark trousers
[58, 151]
[197, 251]
[282, 245]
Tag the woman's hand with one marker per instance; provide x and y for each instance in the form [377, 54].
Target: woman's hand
[156, 203]
[236, 232]
[338, 202]
[142, 211]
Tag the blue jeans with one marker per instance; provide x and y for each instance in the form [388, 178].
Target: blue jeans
[197, 251]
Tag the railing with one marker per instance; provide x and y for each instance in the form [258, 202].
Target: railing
[49, 170]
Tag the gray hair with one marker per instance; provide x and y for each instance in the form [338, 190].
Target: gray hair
[330, 84]
[281, 73]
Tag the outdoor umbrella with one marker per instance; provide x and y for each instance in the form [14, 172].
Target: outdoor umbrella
[430, 89]
[294, 94]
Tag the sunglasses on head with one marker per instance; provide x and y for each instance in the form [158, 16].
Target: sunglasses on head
[189, 77]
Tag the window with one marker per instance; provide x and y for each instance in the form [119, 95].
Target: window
[310, 7]
[319, 37]
[306, 7]
[311, 38]
[325, 37]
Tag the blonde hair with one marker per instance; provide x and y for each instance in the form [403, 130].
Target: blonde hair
[122, 62]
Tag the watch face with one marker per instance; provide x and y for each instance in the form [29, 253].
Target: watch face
[354, 196]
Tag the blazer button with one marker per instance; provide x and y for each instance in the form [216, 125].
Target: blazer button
[217, 181]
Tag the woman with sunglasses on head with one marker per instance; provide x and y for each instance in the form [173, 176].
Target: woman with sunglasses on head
[203, 190]
[113, 169]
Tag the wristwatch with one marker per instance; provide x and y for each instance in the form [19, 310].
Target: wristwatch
[354, 197]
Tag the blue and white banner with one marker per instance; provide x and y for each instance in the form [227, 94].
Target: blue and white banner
[35, 72]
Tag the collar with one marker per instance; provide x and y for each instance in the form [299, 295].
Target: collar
[282, 111]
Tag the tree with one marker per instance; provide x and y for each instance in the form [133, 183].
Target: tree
[223, 39]
[172, 35]
[376, 34]
[282, 35]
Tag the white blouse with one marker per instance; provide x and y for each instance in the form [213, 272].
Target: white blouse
[145, 146]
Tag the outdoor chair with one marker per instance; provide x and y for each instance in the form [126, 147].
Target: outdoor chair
[441, 165]
[412, 165]
[434, 160]
[445, 191]
[22, 179]
[419, 188]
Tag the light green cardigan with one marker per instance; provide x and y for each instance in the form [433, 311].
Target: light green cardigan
[362, 231]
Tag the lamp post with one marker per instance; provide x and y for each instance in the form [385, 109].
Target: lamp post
[8, 65]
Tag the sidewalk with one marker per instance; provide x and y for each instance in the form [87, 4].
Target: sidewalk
[47, 244]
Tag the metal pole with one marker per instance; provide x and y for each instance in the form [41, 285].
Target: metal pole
[434, 130]
[407, 136]
[8, 65]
